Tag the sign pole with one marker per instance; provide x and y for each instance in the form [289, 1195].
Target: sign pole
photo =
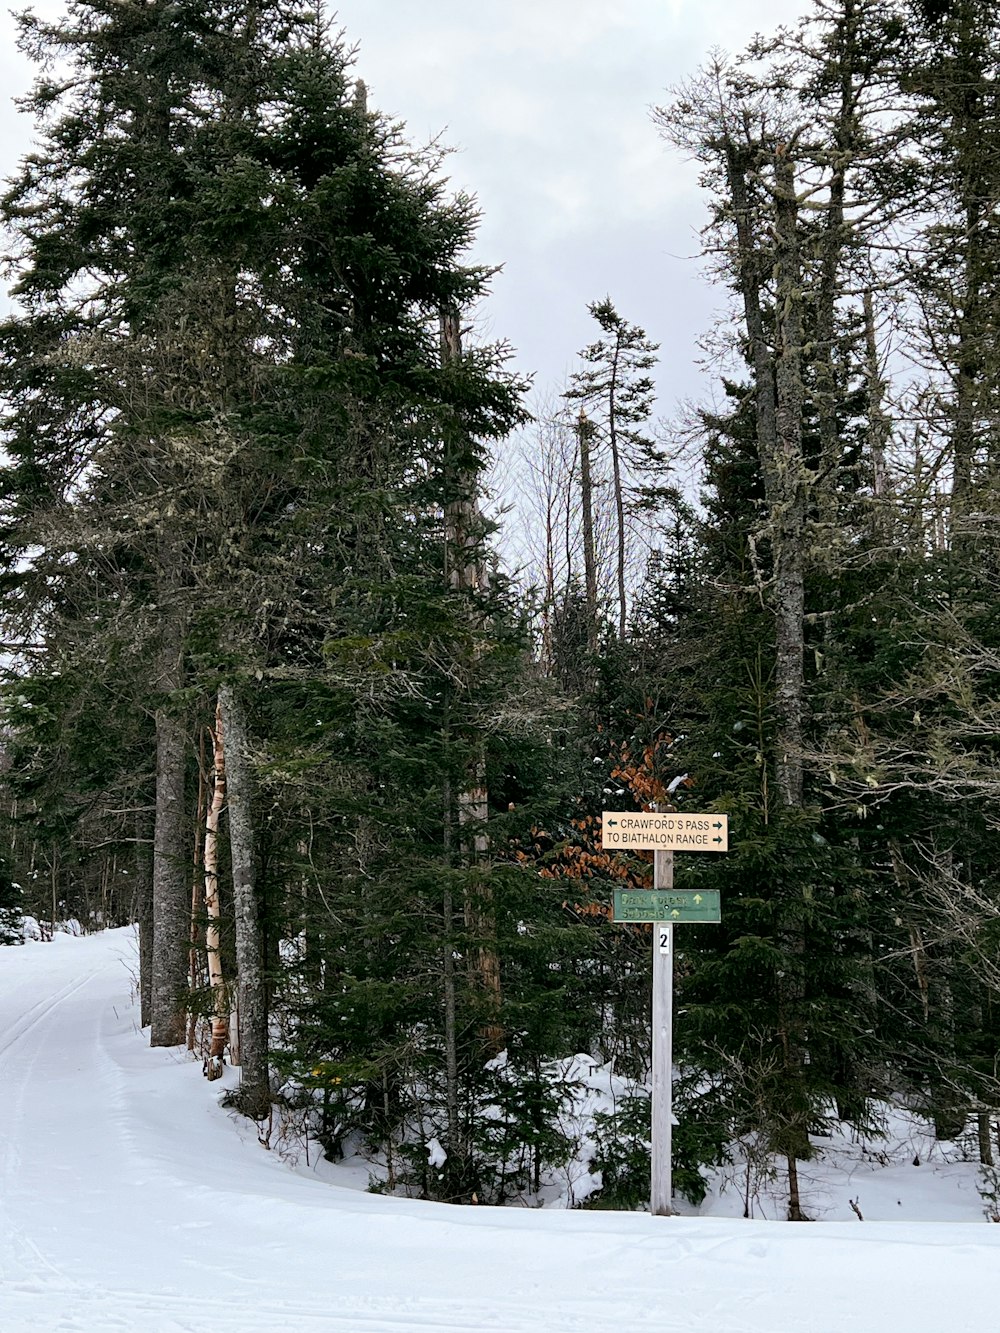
[663, 832]
[663, 1039]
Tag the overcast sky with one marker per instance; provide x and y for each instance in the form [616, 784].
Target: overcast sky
[547, 104]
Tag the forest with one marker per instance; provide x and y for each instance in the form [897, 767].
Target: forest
[276, 688]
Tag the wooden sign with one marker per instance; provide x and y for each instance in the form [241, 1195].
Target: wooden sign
[625, 831]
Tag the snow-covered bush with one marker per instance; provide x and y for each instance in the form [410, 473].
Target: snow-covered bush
[31, 930]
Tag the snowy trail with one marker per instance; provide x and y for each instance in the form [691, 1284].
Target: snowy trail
[129, 1202]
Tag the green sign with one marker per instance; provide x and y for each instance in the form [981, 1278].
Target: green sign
[681, 906]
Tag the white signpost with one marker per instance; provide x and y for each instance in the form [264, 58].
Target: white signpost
[663, 833]
[662, 1111]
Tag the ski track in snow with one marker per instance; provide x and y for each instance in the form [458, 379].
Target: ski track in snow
[129, 1202]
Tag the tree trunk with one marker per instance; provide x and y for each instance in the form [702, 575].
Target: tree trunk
[878, 423]
[616, 473]
[144, 913]
[779, 396]
[788, 508]
[827, 389]
[750, 277]
[584, 432]
[966, 380]
[457, 1154]
[778, 392]
[985, 1140]
[971, 335]
[213, 934]
[550, 568]
[789, 519]
[195, 974]
[251, 997]
[171, 904]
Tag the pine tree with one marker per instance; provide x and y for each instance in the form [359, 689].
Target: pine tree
[616, 392]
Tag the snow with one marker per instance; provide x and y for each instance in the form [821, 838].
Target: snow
[129, 1201]
[30, 929]
[436, 1155]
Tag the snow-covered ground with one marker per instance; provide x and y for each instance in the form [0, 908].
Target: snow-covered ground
[129, 1202]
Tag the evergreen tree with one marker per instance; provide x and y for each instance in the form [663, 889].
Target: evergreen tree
[11, 909]
[617, 392]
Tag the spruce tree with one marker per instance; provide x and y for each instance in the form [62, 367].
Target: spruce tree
[11, 909]
[615, 392]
